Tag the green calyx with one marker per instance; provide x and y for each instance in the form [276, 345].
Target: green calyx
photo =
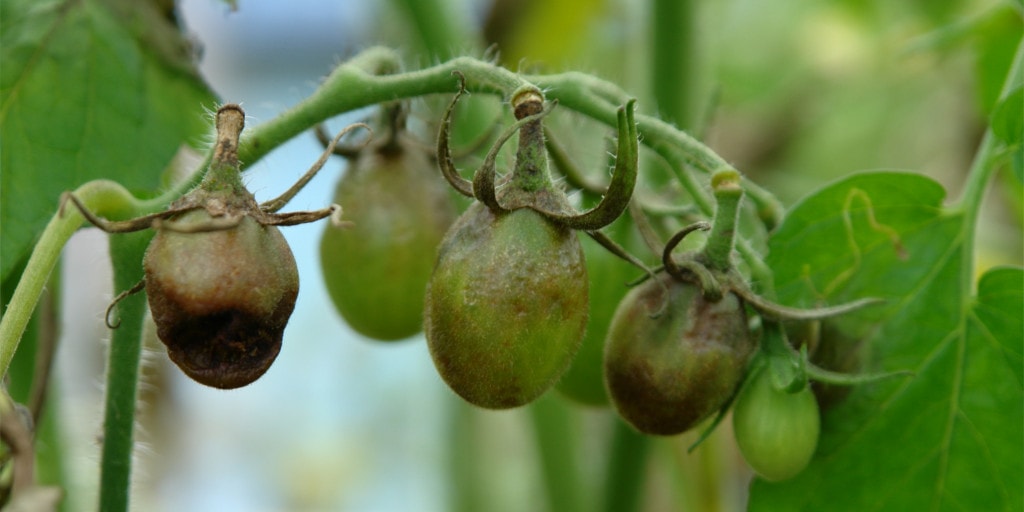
[529, 185]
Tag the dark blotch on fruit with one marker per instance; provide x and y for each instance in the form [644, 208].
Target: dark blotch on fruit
[668, 373]
[221, 299]
[506, 306]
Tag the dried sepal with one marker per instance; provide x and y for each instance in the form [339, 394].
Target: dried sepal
[623, 181]
[444, 154]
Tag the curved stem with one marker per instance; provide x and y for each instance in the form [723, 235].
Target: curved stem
[980, 174]
[105, 198]
[779, 312]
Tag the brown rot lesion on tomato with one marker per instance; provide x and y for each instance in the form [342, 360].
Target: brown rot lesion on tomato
[680, 344]
[220, 278]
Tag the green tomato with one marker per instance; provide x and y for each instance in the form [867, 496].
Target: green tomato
[376, 270]
[777, 432]
[506, 306]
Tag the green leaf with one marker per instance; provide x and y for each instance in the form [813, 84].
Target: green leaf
[995, 36]
[1008, 126]
[948, 438]
[88, 89]
[1008, 118]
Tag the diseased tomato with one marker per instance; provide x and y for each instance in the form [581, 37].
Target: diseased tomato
[667, 373]
[221, 299]
[506, 306]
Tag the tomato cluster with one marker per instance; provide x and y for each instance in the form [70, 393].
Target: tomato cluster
[505, 301]
[506, 304]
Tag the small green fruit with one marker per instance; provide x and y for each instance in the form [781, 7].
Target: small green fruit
[221, 299]
[376, 271]
[777, 432]
[506, 306]
[667, 373]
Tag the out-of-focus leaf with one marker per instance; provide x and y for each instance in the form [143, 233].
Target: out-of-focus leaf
[1008, 118]
[1008, 126]
[88, 89]
[549, 33]
[996, 36]
[948, 438]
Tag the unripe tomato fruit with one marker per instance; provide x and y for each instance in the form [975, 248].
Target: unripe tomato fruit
[220, 299]
[376, 271]
[668, 373]
[777, 432]
[506, 306]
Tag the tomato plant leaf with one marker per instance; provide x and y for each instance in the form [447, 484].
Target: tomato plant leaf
[1008, 125]
[88, 89]
[948, 437]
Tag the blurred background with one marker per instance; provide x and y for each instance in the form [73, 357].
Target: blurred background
[794, 94]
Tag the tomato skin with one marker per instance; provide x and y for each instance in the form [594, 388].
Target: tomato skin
[777, 432]
[506, 306]
[221, 299]
[376, 270]
[668, 373]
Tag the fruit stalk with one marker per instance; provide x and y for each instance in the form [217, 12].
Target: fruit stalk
[224, 173]
[531, 169]
[728, 193]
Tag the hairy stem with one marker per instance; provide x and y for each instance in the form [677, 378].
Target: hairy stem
[122, 374]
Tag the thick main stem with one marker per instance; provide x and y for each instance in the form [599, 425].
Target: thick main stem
[672, 54]
[122, 374]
